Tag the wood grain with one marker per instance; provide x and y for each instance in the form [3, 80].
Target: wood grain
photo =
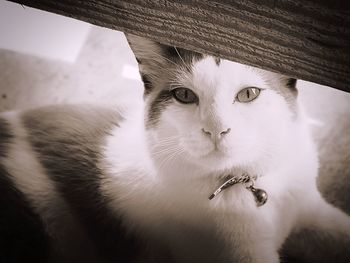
[305, 39]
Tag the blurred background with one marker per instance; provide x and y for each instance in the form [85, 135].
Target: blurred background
[49, 59]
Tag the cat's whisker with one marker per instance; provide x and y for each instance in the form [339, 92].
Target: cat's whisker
[173, 156]
[165, 147]
[170, 151]
[178, 53]
[162, 56]
[174, 139]
[164, 161]
[163, 151]
[165, 143]
[170, 157]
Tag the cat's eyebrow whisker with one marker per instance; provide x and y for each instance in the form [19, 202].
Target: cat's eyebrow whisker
[167, 59]
[164, 57]
[186, 66]
[155, 76]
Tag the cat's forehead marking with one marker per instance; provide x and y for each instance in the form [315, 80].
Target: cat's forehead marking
[217, 61]
[162, 99]
[226, 79]
[182, 57]
[183, 60]
[231, 75]
[211, 78]
[239, 75]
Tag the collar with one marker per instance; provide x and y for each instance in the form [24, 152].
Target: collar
[248, 182]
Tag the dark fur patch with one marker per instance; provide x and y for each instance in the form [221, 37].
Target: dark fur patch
[147, 83]
[159, 62]
[291, 87]
[170, 51]
[162, 100]
[5, 137]
[290, 93]
[181, 56]
[291, 83]
[22, 234]
[68, 141]
[217, 61]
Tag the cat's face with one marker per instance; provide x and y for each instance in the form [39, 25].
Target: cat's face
[217, 113]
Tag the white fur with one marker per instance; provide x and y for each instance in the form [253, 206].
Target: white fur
[161, 178]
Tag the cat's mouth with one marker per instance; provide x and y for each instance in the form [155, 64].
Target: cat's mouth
[216, 153]
[217, 156]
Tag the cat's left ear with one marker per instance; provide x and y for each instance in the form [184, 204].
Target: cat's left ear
[290, 83]
[146, 51]
[287, 87]
[282, 83]
[157, 62]
[152, 58]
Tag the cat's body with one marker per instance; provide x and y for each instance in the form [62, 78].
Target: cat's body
[133, 186]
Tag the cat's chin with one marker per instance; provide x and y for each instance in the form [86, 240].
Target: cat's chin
[216, 161]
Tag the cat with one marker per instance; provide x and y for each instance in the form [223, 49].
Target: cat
[88, 183]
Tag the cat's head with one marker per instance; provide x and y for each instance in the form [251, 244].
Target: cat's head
[218, 113]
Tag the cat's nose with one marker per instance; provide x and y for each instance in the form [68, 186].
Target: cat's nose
[216, 134]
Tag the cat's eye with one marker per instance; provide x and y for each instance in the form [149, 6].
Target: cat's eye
[185, 95]
[248, 94]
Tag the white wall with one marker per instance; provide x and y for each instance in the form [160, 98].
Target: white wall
[31, 31]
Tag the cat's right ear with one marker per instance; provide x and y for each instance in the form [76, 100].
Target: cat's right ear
[151, 59]
[145, 50]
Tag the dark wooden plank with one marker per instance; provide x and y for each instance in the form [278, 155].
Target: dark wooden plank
[305, 39]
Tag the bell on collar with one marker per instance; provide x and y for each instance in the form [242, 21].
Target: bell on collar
[260, 195]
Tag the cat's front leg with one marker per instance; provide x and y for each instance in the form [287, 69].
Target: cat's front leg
[259, 246]
[330, 219]
[255, 251]
[323, 234]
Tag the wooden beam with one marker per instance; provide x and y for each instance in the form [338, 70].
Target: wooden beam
[305, 39]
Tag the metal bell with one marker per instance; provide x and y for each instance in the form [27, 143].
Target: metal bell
[259, 194]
